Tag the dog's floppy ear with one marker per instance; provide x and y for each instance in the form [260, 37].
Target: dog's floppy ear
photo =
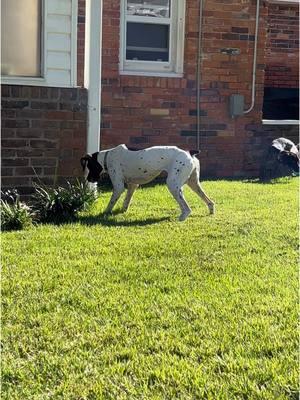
[84, 160]
[195, 152]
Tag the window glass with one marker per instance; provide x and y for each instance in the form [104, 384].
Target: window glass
[21, 38]
[147, 42]
[281, 103]
[149, 8]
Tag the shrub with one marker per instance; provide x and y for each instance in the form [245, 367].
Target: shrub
[15, 214]
[62, 204]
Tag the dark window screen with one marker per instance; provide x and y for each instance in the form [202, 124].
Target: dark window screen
[281, 103]
[147, 42]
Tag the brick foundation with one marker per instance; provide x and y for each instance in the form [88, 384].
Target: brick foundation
[43, 133]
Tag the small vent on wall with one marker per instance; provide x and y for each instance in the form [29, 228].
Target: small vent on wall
[231, 51]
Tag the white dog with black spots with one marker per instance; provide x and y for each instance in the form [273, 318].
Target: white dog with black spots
[134, 168]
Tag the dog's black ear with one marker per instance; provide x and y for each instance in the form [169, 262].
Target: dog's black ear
[84, 160]
[195, 152]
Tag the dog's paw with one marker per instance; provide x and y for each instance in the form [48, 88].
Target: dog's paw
[184, 215]
[212, 208]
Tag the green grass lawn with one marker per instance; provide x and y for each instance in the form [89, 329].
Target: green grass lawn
[140, 306]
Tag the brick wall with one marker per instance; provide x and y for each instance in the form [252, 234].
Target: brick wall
[43, 133]
[282, 52]
[144, 111]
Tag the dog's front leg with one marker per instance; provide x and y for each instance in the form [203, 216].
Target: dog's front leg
[117, 191]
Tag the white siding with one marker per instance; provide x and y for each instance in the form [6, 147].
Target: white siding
[58, 23]
[58, 77]
[58, 42]
[58, 60]
[61, 7]
[59, 34]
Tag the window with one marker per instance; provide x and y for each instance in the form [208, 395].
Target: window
[281, 104]
[20, 40]
[39, 42]
[152, 37]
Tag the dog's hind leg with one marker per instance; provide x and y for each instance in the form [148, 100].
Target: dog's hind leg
[131, 189]
[177, 193]
[117, 191]
[194, 184]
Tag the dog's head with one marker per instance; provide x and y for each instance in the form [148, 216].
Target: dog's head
[290, 159]
[90, 162]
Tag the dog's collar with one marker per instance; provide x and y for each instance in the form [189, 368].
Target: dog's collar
[95, 157]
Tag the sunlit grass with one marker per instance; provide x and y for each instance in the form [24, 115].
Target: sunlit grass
[140, 306]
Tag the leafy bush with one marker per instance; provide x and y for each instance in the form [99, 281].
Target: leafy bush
[15, 214]
[62, 203]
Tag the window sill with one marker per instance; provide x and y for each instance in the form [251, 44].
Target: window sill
[284, 2]
[153, 74]
[280, 122]
[23, 81]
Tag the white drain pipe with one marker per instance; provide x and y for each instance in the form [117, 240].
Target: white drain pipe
[254, 59]
[198, 80]
[92, 71]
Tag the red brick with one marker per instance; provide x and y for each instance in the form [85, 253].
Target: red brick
[59, 115]
[27, 171]
[49, 162]
[7, 171]
[15, 181]
[8, 133]
[11, 143]
[42, 144]
[14, 162]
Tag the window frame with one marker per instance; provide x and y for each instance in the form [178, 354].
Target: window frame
[42, 80]
[172, 68]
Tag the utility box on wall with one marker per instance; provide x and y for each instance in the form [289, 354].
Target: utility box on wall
[236, 105]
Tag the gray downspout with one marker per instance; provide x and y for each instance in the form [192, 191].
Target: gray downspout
[254, 60]
[201, 4]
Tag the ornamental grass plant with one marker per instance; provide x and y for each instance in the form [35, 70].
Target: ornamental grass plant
[62, 204]
[15, 214]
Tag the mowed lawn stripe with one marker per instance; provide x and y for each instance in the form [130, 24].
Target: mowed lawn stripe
[140, 306]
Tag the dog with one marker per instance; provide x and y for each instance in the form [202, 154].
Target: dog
[281, 158]
[134, 168]
[288, 153]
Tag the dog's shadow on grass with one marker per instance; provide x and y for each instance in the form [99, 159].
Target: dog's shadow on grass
[109, 220]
